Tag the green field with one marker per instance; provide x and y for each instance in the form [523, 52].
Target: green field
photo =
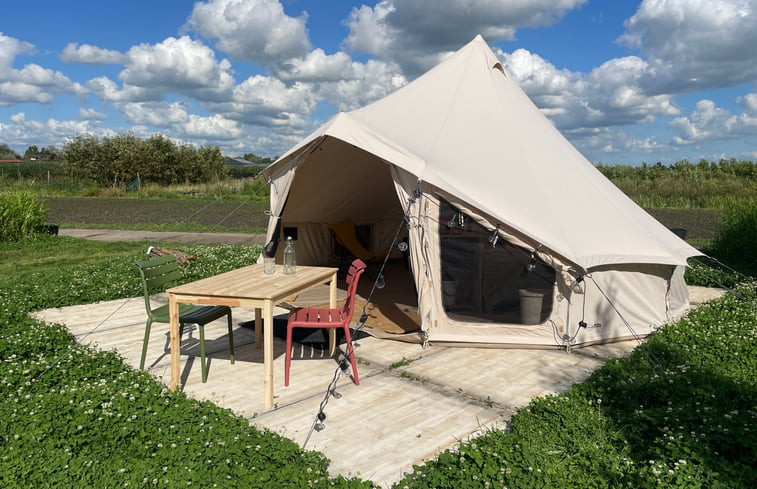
[224, 215]
[152, 214]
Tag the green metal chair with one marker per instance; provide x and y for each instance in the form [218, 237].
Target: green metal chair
[156, 274]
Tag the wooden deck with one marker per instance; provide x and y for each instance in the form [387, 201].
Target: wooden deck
[398, 416]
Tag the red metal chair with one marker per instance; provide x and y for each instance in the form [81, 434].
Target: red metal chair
[315, 318]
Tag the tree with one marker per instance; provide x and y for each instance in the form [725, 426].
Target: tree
[253, 158]
[116, 161]
[6, 153]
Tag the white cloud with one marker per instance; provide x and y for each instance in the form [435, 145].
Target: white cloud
[183, 66]
[708, 122]
[415, 33]
[91, 55]
[369, 82]
[21, 132]
[107, 90]
[91, 115]
[749, 103]
[176, 64]
[317, 66]
[158, 114]
[18, 92]
[695, 44]
[36, 84]
[609, 95]
[344, 83]
[9, 49]
[32, 83]
[213, 127]
[256, 30]
[263, 100]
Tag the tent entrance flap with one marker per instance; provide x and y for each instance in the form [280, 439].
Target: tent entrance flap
[488, 280]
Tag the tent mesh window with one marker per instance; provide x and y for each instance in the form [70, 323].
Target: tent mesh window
[485, 283]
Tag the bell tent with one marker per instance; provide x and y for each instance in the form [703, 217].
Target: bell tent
[514, 238]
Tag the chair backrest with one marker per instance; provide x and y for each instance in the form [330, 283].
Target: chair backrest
[357, 267]
[156, 274]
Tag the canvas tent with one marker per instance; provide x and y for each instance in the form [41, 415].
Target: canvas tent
[515, 239]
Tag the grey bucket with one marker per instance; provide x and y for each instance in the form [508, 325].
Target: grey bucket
[530, 306]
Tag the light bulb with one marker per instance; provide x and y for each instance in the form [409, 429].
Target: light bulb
[380, 282]
[402, 246]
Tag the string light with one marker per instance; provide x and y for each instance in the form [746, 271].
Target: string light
[494, 237]
[380, 282]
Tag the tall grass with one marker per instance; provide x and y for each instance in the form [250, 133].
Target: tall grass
[21, 216]
[703, 185]
[736, 241]
[678, 192]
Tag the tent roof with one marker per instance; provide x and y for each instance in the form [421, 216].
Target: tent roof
[467, 128]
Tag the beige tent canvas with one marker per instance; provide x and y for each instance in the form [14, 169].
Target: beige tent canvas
[515, 239]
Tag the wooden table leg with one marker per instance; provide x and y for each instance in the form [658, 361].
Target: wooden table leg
[173, 311]
[268, 353]
[258, 328]
[332, 305]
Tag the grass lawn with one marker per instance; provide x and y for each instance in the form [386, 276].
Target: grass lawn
[679, 412]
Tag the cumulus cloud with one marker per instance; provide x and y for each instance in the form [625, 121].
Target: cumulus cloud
[159, 114]
[344, 83]
[749, 103]
[22, 132]
[107, 90]
[694, 44]
[255, 30]
[709, 122]
[91, 115]
[183, 66]
[263, 100]
[316, 66]
[213, 127]
[9, 49]
[180, 63]
[609, 95]
[91, 55]
[370, 81]
[417, 33]
[32, 83]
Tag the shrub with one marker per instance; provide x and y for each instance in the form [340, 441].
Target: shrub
[21, 216]
[737, 238]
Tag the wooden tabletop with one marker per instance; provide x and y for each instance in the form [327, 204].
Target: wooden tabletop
[251, 282]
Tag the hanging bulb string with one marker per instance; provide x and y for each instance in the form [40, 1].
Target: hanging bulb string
[320, 417]
[494, 237]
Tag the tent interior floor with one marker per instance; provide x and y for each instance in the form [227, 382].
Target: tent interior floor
[392, 312]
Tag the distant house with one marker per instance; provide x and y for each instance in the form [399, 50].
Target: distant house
[242, 164]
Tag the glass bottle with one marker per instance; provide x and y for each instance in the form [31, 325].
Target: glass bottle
[290, 260]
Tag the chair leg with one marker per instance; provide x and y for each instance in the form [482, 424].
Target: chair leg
[203, 367]
[288, 356]
[231, 340]
[144, 344]
[351, 353]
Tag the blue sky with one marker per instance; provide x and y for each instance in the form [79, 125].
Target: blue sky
[626, 82]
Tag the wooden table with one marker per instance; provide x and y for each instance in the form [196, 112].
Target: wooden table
[247, 287]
